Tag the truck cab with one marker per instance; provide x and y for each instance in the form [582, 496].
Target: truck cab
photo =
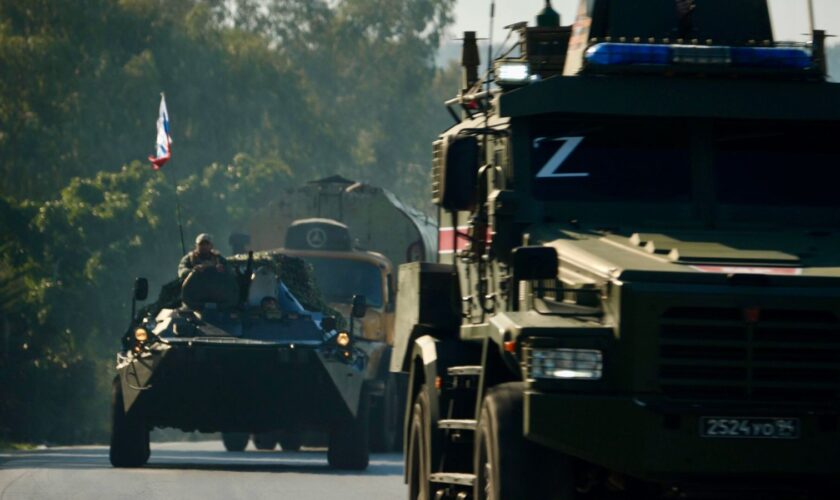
[342, 272]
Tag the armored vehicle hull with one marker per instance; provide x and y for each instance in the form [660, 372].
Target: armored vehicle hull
[239, 386]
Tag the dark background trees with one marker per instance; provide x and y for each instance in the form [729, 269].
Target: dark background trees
[262, 95]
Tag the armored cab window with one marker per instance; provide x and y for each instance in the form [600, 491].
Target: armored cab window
[777, 164]
[633, 160]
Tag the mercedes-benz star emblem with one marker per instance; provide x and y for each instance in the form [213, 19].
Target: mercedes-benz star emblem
[316, 237]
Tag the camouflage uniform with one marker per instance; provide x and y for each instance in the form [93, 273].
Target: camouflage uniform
[193, 259]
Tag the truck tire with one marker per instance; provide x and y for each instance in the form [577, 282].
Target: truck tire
[386, 423]
[378, 432]
[417, 457]
[265, 441]
[129, 435]
[348, 447]
[394, 413]
[508, 466]
[235, 441]
[291, 441]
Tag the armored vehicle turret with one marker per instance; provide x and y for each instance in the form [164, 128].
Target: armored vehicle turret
[637, 289]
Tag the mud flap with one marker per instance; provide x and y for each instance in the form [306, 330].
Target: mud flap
[347, 380]
[136, 375]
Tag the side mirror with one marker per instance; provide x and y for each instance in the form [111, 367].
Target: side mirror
[534, 263]
[461, 174]
[359, 306]
[141, 289]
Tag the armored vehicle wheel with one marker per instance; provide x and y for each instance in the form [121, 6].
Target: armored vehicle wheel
[509, 466]
[265, 441]
[348, 446]
[417, 454]
[129, 435]
[235, 441]
[290, 441]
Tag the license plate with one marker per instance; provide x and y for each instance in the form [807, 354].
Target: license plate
[751, 428]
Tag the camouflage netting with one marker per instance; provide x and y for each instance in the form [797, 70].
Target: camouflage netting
[293, 272]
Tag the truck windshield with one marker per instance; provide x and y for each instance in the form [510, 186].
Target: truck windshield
[767, 164]
[645, 162]
[340, 279]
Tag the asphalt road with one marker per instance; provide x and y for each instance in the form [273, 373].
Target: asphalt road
[200, 470]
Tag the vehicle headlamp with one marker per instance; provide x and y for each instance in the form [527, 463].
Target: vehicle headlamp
[513, 73]
[342, 339]
[141, 335]
[564, 364]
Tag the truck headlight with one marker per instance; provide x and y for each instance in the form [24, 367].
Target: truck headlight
[343, 339]
[564, 364]
[141, 335]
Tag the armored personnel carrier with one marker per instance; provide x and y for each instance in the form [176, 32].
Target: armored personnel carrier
[241, 352]
[637, 288]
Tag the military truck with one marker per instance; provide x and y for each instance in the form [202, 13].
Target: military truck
[241, 352]
[342, 272]
[637, 289]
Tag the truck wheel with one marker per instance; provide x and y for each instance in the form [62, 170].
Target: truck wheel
[129, 435]
[417, 459]
[378, 431]
[235, 441]
[290, 441]
[348, 443]
[265, 441]
[506, 464]
[393, 413]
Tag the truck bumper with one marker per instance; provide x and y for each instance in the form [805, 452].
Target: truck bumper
[623, 435]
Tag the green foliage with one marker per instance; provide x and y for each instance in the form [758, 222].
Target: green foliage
[263, 95]
[324, 86]
[66, 276]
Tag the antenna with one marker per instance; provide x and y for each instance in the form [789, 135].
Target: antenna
[813, 24]
[180, 219]
[489, 65]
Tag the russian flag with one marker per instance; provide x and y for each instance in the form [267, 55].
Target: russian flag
[163, 144]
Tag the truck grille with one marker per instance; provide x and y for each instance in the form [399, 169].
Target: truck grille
[777, 355]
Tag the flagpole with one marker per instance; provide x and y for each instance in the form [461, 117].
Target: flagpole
[178, 214]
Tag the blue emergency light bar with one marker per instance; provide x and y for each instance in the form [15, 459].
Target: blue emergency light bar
[630, 54]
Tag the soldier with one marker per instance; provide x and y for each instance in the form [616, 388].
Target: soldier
[203, 257]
